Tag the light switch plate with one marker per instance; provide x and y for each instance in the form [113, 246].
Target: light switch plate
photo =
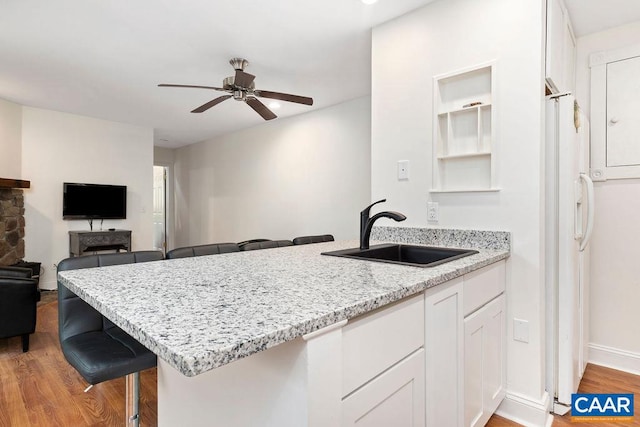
[403, 169]
[521, 330]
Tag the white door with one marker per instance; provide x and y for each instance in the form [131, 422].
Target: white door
[160, 208]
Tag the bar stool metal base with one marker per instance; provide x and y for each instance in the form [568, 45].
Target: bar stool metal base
[132, 399]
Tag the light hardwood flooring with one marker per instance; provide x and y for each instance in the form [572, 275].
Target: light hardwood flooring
[39, 388]
[596, 379]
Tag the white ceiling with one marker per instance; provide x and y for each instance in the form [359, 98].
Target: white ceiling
[104, 59]
[592, 16]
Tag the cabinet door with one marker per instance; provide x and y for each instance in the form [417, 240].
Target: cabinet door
[394, 398]
[484, 379]
[443, 351]
[494, 378]
[560, 49]
[623, 88]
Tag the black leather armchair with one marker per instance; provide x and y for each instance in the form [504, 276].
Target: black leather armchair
[18, 304]
[91, 343]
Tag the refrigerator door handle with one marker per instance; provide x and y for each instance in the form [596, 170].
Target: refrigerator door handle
[590, 211]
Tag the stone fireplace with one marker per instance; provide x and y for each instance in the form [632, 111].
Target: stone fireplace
[12, 220]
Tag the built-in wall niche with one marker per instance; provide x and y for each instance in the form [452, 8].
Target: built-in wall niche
[464, 146]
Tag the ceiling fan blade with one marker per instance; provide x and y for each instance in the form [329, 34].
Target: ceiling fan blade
[243, 79]
[284, 97]
[213, 102]
[260, 108]
[192, 86]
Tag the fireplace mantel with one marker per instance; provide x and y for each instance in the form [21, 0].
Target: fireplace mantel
[14, 183]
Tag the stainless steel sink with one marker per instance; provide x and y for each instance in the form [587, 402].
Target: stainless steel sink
[418, 256]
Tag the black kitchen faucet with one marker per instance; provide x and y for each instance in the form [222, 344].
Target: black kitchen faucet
[366, 223]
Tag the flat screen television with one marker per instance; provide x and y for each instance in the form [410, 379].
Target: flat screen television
[94, 201]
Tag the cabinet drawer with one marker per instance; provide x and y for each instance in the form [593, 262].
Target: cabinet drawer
[374, 342]
[482, 286]
[395, 398]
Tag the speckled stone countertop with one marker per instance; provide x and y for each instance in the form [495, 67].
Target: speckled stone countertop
[203, 312]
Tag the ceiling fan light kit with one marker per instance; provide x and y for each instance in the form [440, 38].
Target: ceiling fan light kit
[241, 87]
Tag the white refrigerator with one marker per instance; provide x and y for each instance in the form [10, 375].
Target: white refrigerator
[569, 214]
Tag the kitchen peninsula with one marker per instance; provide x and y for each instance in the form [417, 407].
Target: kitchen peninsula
[288, 337]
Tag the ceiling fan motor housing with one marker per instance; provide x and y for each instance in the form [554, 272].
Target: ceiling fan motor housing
[229, 83]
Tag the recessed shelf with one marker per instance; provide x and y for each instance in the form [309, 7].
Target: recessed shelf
[463, 155]
[463, 130]
[469, 190]
[473, 107]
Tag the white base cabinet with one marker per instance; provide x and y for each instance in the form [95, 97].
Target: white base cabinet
[465, 343]
[484, 333]
[443, 326]
[434, 359]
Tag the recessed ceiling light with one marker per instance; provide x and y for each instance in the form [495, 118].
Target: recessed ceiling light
[274, 105]
[368, 1]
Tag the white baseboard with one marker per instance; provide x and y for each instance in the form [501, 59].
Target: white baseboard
[614, 358]
[526, 411]
[49, 285]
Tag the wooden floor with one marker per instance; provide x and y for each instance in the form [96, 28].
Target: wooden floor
[39, 388]
[596, 379]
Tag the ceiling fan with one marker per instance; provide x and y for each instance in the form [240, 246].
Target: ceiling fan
[242, 88]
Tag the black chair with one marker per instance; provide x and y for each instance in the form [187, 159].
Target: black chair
[92, 344]
[200, 250]
[268, 244]
[305, 240]
[242, 244]
[19, 297]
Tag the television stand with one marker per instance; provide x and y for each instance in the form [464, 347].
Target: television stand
[82, 242]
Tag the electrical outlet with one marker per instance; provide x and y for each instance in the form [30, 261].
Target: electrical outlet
[403, 169]
[432, 211]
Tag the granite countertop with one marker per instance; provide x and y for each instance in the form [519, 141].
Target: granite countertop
[203, 312]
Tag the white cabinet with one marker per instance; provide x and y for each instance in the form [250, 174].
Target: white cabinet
[560, 49]
[383, 367]
[395, 398]
[464, 348]
[615, 87]
[376, 341]
[484, 341]
[463, 141]
[443, 335]
[415, 363]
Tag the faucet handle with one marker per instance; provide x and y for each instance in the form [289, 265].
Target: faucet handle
[366, 210]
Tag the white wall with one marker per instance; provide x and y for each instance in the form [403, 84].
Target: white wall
[615, 271]
[163, 156]
[59, 147]
[308, 174]
[443, 37]
[10, 140]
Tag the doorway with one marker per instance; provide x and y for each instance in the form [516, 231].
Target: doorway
[160, 208]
